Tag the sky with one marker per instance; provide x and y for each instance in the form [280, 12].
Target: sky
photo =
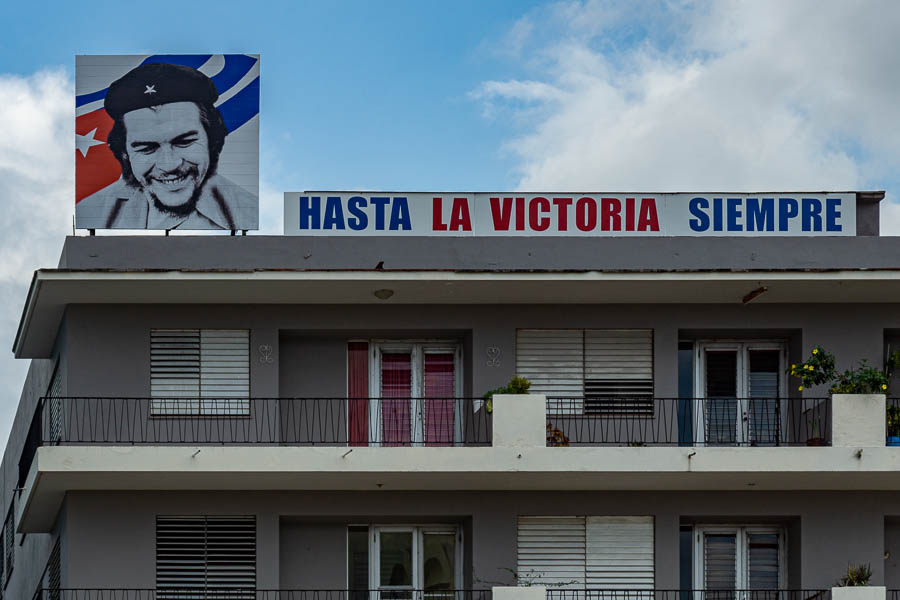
[475, 96]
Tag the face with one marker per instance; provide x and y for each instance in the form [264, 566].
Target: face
[168, 150]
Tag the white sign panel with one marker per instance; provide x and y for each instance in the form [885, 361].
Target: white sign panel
[167, 142]
[567, 214]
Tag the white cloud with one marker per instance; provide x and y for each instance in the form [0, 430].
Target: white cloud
[721, 96]
[37, 178]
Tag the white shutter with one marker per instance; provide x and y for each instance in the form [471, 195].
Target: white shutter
[212, 364]
[174, 370]
[618, 366]
[619, 553]
[551, 551]
[224, 371]
[205, 556]
[552, 360]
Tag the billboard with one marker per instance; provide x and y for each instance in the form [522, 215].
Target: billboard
[167, 142]
[567, 214]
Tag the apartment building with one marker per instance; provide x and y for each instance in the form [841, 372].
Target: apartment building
[305, 417]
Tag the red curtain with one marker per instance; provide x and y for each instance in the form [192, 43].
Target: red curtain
[439, 388]
[396, 391]
[358, 393]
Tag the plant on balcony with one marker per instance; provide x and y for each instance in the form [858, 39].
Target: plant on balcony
[819, 369]
[516, 385]
[893, 425]
[857, 575]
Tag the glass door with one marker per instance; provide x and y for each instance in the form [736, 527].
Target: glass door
[415, 562]
[394, 558]
[741, 563]
[417, 385]
[740, 386]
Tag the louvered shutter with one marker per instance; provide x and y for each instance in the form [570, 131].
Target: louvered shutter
[205, 557]
[54, 573]
[619, 553]
[618, 365]
[175, 371]
[762, 561]
[224, 371]
[194, 371]
[553, 361]
[54, 393]
[720, 561]
[551, 551]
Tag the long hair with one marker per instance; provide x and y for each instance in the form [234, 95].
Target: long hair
[212, 122]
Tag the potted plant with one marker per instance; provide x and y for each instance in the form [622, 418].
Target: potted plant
[865, 379]
[516, 385]
[857, 575]
[893, 425]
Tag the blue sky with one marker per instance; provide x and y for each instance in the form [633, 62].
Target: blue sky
[488, 95]
[353, 93]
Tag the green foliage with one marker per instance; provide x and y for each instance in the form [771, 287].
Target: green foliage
[857, 575]
[893, 420]
[865, 379]
[516, 385]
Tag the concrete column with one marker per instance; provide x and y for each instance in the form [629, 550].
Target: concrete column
[520, 420]
[535, 593]
[858, 420]
[666, 548]
[264, 353]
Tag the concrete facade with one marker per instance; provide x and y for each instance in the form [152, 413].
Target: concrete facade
[836, 505]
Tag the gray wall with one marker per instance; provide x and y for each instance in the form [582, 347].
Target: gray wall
[301, 536]
[110, 344]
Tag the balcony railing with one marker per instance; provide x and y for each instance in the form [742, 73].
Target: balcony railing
[226, 594]
[688, 421]
[266, 421]
[595, 594]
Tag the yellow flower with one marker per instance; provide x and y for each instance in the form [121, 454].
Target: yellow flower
[883, 386]
[800, 388]
[793, 366]
[815, 350]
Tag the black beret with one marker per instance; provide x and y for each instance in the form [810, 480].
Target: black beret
[155, 84]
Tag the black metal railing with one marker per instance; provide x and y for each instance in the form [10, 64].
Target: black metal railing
[893, 594]
[272, 421]
[689, 421]
[239, 594]
[596, 594]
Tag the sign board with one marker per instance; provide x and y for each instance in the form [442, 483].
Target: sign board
[167, 142]
[568, 214]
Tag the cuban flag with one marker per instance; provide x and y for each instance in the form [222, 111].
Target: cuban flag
[236, 77]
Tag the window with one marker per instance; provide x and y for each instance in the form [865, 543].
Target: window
[589, 371]
[418, 384]
[9, 543]
[594, 553]
[202, 557]
[739, 385]
[199, 371]
[398, 559]
[739, 558]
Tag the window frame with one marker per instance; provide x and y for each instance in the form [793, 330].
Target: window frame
[193, 407]
[742, 554]
[418, 532]
[742, 347]
[417, 349]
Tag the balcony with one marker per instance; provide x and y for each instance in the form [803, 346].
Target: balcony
[644, 421]
[756, 594]
[200, 593]
[335, 445]
[438, 422]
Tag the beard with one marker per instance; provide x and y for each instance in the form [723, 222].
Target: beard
[187, 207]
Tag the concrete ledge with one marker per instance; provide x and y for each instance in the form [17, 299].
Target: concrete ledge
[868, 592]
[530, 593]
[858, 420]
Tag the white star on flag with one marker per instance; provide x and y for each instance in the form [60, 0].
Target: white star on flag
[83, 143]
[151, 89]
